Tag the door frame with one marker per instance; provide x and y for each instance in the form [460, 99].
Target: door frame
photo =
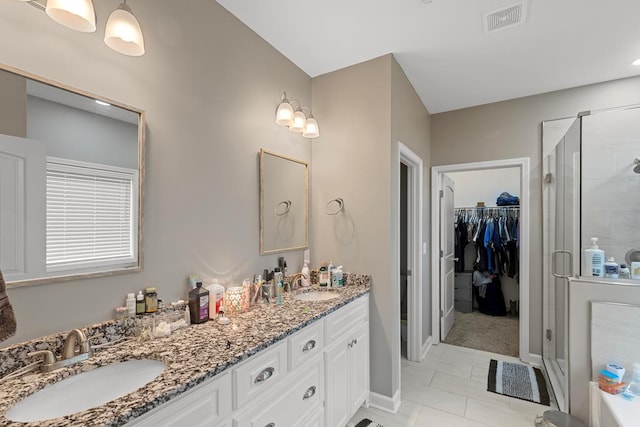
[436, 173]
[414, 251]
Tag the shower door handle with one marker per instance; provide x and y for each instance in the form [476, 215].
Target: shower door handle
[553, 264]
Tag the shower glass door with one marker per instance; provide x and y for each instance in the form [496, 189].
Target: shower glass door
[561, 206]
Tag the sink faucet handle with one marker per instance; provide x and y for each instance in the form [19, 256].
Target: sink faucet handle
[48, 358]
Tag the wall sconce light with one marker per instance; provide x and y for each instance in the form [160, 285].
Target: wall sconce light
[122, 33]
[296, 120]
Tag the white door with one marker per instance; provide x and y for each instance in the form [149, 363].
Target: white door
[22, 207]
[447, 257]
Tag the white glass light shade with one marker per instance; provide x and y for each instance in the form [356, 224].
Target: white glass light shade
[311, 130]
[284, 114]
[299, 122]
[75, 14]
[123, 33]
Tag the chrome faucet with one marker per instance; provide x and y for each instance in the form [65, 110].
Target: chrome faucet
[75, 338]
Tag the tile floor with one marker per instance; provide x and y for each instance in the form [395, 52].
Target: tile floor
[448, 388]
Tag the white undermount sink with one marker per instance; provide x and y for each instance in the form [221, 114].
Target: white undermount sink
[86, 390]
[316, 296]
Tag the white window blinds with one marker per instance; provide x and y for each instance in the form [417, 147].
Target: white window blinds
[91, 217]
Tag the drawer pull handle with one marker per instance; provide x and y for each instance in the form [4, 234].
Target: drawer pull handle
[271, 425]
[311, 391]
[310, 345]
[355, 341]
[264, 375]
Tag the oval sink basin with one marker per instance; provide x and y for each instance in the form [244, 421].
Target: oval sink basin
[86, 390]
[316, 296]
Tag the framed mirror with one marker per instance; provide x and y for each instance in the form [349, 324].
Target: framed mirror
[71, 181]
[284, 203]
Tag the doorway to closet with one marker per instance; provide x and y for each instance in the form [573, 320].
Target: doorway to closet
[480, 289]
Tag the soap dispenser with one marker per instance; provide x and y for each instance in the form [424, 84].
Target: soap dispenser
[594, 258]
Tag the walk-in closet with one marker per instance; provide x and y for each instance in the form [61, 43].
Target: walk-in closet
[487, 248]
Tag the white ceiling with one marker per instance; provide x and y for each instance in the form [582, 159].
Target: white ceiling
[443, 49]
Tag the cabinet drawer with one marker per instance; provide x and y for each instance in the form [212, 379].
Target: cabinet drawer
[304, 345]
[204, 405]
[462, 294]
[345, 319]
[462, 280]
[463, 306]
[260, 373]
[301, 396]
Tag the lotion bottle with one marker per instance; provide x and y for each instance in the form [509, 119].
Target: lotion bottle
[611, 268]
[305, 280]
[594, 258]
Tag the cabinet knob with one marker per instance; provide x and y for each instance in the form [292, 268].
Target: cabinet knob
[311, 391]
[310, 345]
[264, 375]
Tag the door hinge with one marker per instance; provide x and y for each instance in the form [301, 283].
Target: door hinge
[441, 194]
[441, 253]
[549, 334]
[441, 313]
[547, 178]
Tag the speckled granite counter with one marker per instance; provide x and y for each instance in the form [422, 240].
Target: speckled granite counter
[192, 356]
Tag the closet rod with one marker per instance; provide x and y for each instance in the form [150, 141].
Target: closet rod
[490, 207]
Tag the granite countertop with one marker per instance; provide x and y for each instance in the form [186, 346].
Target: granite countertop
[192, 355]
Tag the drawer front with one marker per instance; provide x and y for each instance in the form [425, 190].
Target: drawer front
[305, 344]
[462, 280]
[204, 405]
[462, 294]
[348, 317]
[302, 396]
[463, 306]
[260, 373]
[315, 420]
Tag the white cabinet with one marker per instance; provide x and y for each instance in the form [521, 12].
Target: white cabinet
[291, 404]
[346, 363]
[317, 377]
[205, 405]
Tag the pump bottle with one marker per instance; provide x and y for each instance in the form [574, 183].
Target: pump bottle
[594, 259]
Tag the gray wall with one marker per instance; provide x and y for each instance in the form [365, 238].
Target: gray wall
[366, 109]
[411, 125]
[512, 129]
[80, 135]
[13, 105]
[210, 87]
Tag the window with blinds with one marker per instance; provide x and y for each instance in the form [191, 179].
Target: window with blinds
[91, 217]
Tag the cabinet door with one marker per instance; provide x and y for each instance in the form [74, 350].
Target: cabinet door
[359, 369]
[337, 372]
[205, 405]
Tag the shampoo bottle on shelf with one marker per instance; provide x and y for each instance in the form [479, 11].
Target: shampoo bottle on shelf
[594, 258]
[611, 268]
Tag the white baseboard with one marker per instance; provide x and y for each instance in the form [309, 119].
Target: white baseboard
[535, 360]
[385, 403]
[426, 347]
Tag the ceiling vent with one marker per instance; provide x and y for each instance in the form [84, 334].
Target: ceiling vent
[505, 17]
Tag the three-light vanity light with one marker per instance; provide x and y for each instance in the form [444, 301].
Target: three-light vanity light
[122, 32]
[296, 120]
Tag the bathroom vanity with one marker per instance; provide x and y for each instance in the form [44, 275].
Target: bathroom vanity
[305, 363]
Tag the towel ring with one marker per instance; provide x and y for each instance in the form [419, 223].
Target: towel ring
[334, 210]
[283, 207]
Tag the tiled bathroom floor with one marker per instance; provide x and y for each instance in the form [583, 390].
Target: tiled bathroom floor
[448, 388]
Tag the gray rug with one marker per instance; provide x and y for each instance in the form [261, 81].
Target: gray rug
[517, 380]
[479, 331]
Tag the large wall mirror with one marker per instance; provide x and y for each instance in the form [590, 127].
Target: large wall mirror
[284, 206]
[71, 175]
